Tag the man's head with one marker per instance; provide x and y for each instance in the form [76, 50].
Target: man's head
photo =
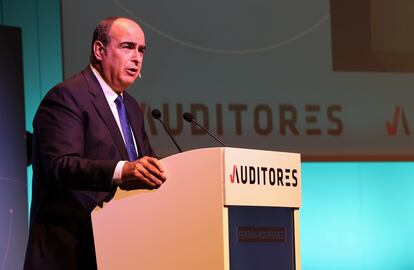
[118, 47]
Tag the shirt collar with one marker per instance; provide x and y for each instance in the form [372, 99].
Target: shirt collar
[109, 93]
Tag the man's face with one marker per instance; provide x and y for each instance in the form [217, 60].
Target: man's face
[121, 59]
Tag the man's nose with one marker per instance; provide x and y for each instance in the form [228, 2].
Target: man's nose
[137, 56]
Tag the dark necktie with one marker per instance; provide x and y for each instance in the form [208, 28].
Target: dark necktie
[126, 129]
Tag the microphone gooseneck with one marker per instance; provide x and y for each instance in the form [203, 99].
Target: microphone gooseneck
[190, 118]
[157, 115]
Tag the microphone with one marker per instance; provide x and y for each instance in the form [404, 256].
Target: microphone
[190, 118]
[157, 115]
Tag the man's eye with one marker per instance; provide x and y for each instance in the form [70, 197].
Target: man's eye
[142, 49]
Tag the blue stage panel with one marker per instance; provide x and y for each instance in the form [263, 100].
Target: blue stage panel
[261, 238]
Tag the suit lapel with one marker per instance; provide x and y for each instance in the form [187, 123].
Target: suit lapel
[102, 107]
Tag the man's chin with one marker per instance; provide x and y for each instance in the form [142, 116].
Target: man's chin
[127, 82]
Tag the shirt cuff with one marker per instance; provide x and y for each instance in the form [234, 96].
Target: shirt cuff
[118, 170]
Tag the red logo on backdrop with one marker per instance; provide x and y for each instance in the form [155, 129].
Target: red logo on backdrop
[392, 125]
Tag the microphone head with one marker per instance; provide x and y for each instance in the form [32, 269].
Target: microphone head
[156, 113]
[188, 117]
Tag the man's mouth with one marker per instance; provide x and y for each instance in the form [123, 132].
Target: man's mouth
[132, 71]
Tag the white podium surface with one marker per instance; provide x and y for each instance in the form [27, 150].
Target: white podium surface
[183, 224]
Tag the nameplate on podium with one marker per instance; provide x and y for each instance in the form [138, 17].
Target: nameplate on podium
[262, 178]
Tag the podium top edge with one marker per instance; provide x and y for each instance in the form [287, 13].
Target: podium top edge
[231, 148]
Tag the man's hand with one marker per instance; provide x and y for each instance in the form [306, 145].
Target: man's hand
[143, 173]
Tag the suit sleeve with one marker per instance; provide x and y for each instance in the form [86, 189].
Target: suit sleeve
[59, 126]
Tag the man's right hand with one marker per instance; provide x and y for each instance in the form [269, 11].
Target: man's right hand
[143, 173]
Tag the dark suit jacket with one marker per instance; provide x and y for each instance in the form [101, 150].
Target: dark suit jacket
[76, 146]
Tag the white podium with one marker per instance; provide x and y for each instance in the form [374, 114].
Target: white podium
[218, 209]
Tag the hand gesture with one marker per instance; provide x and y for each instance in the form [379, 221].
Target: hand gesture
[143, 173]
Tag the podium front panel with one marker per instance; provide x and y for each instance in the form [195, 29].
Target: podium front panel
[261, 238]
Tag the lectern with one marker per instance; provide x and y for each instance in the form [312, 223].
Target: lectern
[220, 208]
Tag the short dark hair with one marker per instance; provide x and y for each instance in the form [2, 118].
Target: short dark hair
[101, 34]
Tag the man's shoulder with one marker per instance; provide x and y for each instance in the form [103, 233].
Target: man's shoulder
[77, 84]
[80, 79]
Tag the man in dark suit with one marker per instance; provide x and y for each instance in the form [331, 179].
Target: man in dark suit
[88, 140]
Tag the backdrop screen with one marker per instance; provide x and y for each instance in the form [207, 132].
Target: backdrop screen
[329, 79]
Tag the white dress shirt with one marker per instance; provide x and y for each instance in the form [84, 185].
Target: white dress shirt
[111, 96]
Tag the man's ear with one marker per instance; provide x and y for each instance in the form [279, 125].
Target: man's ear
[98, 49]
